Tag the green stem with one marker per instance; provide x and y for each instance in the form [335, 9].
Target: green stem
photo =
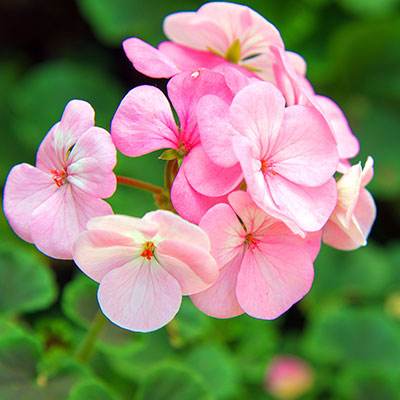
[86, 348]
[123, 180]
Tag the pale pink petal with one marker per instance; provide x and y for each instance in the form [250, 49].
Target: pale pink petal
[190, 204]
[98, 252]
[368, 171]
[208, 178]
[298, 62]
[192, 266]
[91, 162]
[272, 278]
[47, 158]
[309, 207]
[56, 222]
[131, 227]
[347, 144]
[262, 66]
[237, 80]
[140, 296]
[144, 122]
[257, 112]
[216, 131]
[225, 231]
[25, 189]
[185, 90]
[304, 151]
[365, 212]
[339, 237]
[171, 226]
[149, 60]
[220, 300]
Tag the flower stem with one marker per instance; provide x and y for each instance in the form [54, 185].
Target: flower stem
[86, 348]
[171, 169]
[123, 180]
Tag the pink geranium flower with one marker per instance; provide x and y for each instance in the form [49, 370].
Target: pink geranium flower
[355, 212]
[144, 266]
[264, 267]
[288, 156]
[50, 204]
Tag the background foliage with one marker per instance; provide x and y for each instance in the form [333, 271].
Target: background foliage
[347, 328]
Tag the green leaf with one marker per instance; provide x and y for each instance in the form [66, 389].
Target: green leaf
[79, 303]
[369, 8]
[218, 368]
[90, 390]
[172, 381]
[26, 281]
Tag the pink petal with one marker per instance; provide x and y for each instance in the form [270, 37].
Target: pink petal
[298, 62]
[91, 162]
[25, 189]
[192, 266]
[368, 171]
[212, 117]
[144, 122]
[98, 252]
[208, 178]
[172, 227]
[149, 60]
[47, 158]
[140, 296]
[190, 204]
[257, 112]
[365, 212]
[57, 222]
[272, 278]
[185, 90]
[220, 300]
[309, 207]
[347, 144]
[304, 151]
[225, 231]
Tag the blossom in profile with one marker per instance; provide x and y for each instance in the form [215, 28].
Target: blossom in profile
[144, 266]
[50, 204]
[288, 377]
[351, 221]
[264, 267]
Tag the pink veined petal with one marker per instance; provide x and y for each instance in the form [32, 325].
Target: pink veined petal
[272, 278]
[220, 300]
[25, 189]
[185, 90]
[238, 79]
[313, 240]
[257, 112]
[57, 222]
[172, 227]
[212, 118]
[47, 158]
[190, 204]
[347, 144]
[200, 33]
[130, 227]
[140, 296]
[309, 207]
[192, 266]
[144, 122]
[149, 60]
[208, 178]
[225, 232]
[91, 162]
[305, 151]
[98, 252]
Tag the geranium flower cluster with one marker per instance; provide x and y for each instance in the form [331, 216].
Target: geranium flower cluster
[251, 156]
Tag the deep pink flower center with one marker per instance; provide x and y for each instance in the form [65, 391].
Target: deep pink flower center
[251, 241]
[148, 250]
[183, 148]
[267, 166]
[59, 176]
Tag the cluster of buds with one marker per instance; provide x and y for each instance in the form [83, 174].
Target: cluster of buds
[251, 159]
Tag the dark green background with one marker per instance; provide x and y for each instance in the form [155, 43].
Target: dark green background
[347, 327]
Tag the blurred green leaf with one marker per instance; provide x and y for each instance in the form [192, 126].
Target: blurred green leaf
[369, 8]
[26, 281]
[40, 97]
[79, 303]
[172, 381]
[90, 390]
[218, 368]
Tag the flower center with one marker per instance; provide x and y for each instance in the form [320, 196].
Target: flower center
[59, 176]
[148, 250]
[183, 148]
[251, 241]
[267, 166]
